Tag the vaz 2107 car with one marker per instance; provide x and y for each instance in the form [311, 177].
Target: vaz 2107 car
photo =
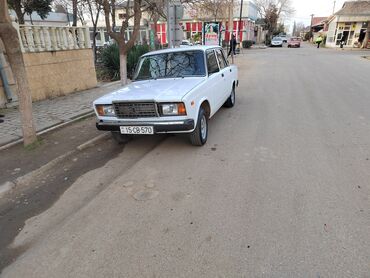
[173, 91]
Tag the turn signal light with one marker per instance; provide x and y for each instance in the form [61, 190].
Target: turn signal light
[100, 110]
[181, 109]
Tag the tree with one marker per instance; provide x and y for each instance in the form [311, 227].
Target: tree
[283, 7]
[367, 37]
[94, 8]
[271, 18]
[74, 12]
[124, 44]
[299, 28]
[9, 36]
[22, 7]
[211, 9]
[156, 11]
[273, 10]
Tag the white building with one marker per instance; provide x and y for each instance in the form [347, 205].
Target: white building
[349, 24]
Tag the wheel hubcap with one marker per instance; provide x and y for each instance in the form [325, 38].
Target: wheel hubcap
[233, 96]
[203, 127]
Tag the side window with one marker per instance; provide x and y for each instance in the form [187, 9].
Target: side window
[225, 59]
[221, 59]
[212, 65]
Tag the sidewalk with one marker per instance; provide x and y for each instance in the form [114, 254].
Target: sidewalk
[52, 112]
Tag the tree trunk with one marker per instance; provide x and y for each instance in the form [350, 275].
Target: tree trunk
[366, 39]
[11, 42]
[113, 15]
[123, 66]
[74, 12]
[18, 11]
[94, 43]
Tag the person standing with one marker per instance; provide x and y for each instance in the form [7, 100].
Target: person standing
[232, 46]
[319, 41]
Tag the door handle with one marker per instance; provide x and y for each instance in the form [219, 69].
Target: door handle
[222, 75]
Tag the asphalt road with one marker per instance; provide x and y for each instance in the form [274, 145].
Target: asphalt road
[280, 190]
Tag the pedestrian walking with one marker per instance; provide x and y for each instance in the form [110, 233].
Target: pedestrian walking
[319, 41]
[232, 46]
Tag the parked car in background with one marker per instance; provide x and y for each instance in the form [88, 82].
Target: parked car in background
[284, 38]
[294, 42]
[277, 41]
[185, 43]
[173, 91]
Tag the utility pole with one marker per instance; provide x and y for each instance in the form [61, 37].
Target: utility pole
[240, 21]
[311, 33]
[231, 27]
[175, 12]
[334, 7]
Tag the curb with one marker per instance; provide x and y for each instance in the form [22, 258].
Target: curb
[5, 187]
[9, 185]
[92, 141]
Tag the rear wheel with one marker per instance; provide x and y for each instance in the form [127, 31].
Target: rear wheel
[120, 138]
[200, 134]
[230, 102]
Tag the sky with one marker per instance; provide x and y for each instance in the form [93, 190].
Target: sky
[304, 8]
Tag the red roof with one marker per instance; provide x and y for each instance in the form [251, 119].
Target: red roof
[318, 20]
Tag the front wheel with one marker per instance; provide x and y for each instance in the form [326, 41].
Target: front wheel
[200, 134]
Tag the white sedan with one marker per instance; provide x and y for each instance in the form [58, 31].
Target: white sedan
[173, 91]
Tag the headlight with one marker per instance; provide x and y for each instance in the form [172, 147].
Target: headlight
[105, 110]
[172, 109]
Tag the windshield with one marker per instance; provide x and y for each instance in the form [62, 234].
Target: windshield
[170, 65]
[277, 39]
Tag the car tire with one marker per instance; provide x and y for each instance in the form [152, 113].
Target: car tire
[120, 138]
[230, 102]
[200, 134]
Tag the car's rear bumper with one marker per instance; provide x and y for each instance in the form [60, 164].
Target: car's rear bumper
[175, 126]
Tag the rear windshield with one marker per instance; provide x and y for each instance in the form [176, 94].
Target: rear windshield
[295, 39]
[171, 64]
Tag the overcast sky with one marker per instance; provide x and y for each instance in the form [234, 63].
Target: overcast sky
[317, 7]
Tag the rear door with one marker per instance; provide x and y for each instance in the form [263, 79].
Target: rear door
[226, 73]
[215, 81]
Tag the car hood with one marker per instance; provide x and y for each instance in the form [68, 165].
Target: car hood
[169, 89]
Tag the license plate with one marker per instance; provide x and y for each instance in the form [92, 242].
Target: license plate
[137, 130]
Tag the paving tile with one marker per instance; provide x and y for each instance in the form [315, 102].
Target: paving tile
[50, 112]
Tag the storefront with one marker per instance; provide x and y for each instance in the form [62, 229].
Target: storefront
[351, 34]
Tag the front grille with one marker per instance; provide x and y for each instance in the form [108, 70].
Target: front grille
[130, 110]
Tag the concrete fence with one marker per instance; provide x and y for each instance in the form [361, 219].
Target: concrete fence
[52, 38]
[58, 60]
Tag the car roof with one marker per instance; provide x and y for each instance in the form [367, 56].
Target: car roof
[178, 49]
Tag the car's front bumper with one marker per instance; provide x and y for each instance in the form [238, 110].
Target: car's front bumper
[175, 126]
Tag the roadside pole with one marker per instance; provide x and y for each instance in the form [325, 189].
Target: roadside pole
[175, 12]
[231, 27]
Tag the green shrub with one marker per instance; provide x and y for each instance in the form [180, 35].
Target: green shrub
[247, 44]
[109, 60]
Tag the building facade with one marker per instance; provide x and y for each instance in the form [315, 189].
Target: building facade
[349, 25]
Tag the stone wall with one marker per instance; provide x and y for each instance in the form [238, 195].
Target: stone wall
[56, 73]
[52, 74]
